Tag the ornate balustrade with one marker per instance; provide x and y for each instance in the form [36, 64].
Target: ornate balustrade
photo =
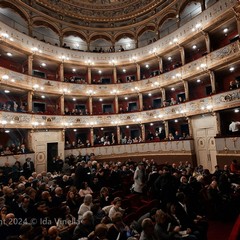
[216, 102]
[212, 14]
[228, 145]
[11, 159]
[181, 147]
[228, 53]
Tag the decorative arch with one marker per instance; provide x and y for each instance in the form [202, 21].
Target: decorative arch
[96, 36]
[127, 34]
[150, 27]
[40, 22]
[170, 15]
[186, 2]
[16, 8]
[81, 35]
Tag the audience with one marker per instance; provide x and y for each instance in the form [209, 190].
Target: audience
[58, 208]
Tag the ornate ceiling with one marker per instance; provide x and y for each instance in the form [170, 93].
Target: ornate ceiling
[102, 10]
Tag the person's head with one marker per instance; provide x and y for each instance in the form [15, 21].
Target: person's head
[183, 180]
[9, 219]
[214, 184]
[3, 210]
[58, 191]
[25, 231]
[171, 208]
[148, 226]
[25, 202]
[87, 199]
[101, 231]
[160, 217]
[70, 195]
[117, 218]
[87, 218]
[117, 201]
[181, 197]
[53, 232]
[104, 191]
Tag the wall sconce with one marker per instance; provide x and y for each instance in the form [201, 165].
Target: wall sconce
[135, 89]
[198, 27]
[36, 50]
[113, 62]
[89, 62]
[133, 59]
[91, 92]
[154, 51]
[92, 124]
[203, 66]
[63, 58]
[174, 41]
[114, 91]
[65, 90]
[5, 77]
[6, 36]
[116, 122]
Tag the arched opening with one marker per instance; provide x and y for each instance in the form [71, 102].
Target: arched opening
[75, 41]
[168, 26]
[209, 3]
[45, 32]
[14, 18]
[146, 36]
[191, 10]
[100, 44]
[126, 41]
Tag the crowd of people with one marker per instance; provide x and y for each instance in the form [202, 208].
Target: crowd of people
[13, 149]
[81, 200]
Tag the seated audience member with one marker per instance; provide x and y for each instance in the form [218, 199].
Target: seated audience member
[58, 198]
[7, 151]
[237, 83]
[170, 137]
[172, 101]
[105, 197]
[100, 232]
[85, 189]
[88, 144]
[165, 103]
[119, 230]
[177, 136]
[175, 221]
[67, 144]
[84, 227]
[147, 232]
[180, 100]
[124, 140]
[162, 229]
[232, 86]
[129, 141]
[116, 207]
[85, 206]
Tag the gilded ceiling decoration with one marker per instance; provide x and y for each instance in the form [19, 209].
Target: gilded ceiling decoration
[101, 10]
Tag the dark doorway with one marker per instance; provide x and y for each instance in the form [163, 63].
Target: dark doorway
[157, 103]
[132, 106]
[52, 152]
[135, 133]
[184, 129]
[107, 108]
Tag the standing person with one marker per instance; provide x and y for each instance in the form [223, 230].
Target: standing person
[139, 178]
[28, 168]
[234, 127]
[59, 164]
